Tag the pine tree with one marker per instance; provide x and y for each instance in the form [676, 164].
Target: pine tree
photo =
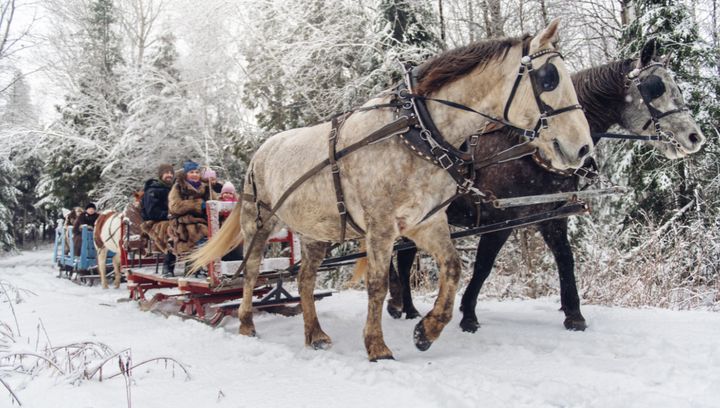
[8, 201]
[92, 116]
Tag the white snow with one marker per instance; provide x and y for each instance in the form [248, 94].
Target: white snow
[521, 357]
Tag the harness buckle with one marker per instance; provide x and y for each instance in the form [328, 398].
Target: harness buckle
[543, 121]
[445, 161]
[530, 134]
[582, 172]
[473, 140]
[465, 187]
[342, 209]
[334, 168]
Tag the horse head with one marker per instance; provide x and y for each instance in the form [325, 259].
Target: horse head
[133, 212]
[655, 105]
[545, 100]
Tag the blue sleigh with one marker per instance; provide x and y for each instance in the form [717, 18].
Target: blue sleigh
[64, 253]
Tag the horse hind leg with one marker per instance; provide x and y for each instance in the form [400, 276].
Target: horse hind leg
[313, 253]
[116, 269]
[434, 237]
[255, 238]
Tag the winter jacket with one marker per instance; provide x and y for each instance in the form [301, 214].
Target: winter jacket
[188, 222]
[155, 201]
[84, 219]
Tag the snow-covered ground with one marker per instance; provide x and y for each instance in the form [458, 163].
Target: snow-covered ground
[521, 357]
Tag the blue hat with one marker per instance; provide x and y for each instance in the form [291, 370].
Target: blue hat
[189, 166]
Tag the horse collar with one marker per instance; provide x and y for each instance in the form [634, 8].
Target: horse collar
[425, 139]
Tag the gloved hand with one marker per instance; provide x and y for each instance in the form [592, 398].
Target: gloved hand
[202, 206]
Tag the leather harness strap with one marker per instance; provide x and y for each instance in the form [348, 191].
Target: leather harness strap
[345, 216]
[399, 125]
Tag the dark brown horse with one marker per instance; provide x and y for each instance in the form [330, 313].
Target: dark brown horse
[617, 93]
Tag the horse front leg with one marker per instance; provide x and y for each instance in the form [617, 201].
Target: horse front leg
[379, 241]
[405, 259]
[101, 257]
[434, 237]
[400, 294]
[488, 248]
[555, 235]
[313, 253]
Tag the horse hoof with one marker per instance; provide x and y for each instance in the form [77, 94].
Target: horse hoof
[469, 325]
[575, 324]
[412, 314]
[421, 341]
[106, 287]
[395, 313]
[321, 344]
[385, 357]
[248, 332]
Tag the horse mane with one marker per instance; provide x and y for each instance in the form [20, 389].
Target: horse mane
[601, 91]
[456, 63]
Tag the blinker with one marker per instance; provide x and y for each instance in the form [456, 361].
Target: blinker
[651, 87]
[547, 77]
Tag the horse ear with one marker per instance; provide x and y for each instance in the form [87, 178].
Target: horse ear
[649, 52]
[550, 34]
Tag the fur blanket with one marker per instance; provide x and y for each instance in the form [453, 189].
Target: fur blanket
[188, 222]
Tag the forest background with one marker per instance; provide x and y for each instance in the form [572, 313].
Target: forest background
[94, 94]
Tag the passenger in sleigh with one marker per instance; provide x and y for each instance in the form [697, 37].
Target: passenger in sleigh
[210, 177]
[227, 193]
[86, 218]
[188, 225]
[155, 213]
[70, 223]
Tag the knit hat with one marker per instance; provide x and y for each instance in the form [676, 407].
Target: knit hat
[228, 187]
[90, 205]
[164, 168]
[189, 166]
[209, 173]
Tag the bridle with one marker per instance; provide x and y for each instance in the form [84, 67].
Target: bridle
[425, 140]
[664, 136]
[546, 111]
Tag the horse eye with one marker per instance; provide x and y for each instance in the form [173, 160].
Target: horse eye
[548, 77]
[652, 87]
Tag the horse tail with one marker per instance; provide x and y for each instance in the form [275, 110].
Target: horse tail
[229, 237]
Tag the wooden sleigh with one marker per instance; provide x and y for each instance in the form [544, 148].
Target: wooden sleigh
[210, 296]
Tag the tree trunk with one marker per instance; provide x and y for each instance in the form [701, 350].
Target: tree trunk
[716, 41]
[543, 12]
[492, 16]
[625, 12]
[442, 24]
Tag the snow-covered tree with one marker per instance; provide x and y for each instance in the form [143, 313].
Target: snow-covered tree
[8, 201]
[92, 115]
